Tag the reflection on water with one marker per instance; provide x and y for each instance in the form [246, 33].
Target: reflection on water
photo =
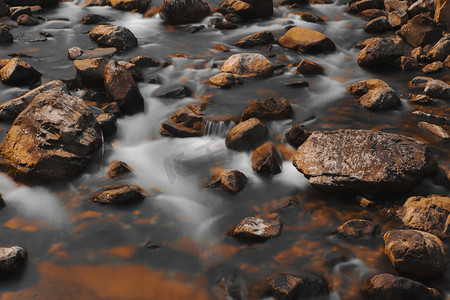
[80, 250]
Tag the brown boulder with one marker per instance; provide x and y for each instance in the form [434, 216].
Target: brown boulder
[119, 169]
[434, 67]
[420, 31]
[256, 39]
[378, 51]
[184, 11]
[289, 287]
[377, 25]
[372, 13]
[248, 9]
[358, 228]
[78, 53]
[90, 72]
[113, 36]
[427, 213]
[395, 5]
[397, 18]
[359, 6]
[137, 5]
[118, 194]
[9, 110]
[248, 65]
[306, 40]
[12, 259]
[440, 50]
[266, 160]
[5, 36]
[246, 135]
[437, 89]
[54, 138]
[18, 72]
[268, 109]
[91, 19]
[256, 229]
[107, 123]
[441, 14]
[363, 160]
[306, 16]
[122, 89]
[188, 121]
[390, 287]
[26, 20]
[408, 64]
[308, 67]
[362, 87]
[230, 181]
[380, 98]
[415, 252]
[298, 134]
[225, 80]
[422, 7]
[435, 129]
[143, 61]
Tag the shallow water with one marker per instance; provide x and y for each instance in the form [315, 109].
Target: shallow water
[80, 250]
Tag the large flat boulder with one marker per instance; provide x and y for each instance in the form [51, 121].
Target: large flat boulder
[363, 161]
[306, 40]
[54, 138]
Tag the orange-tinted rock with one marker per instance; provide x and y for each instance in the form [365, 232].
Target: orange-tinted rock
[12, 259]
[107, 123]
[184, 11]
[434, 67]
[256, 39]
[138, 5]
[440, 50]
[379, 51]
[435, 129]
[288, 286]
[361, 5]
[358, 228]
[18, 72]
[362, 87]
[308, 67]
[377, 25]
[91, 71]
[442, 15]
[372, 13]
[119, 169]
[306, 40]
[248, 65]
[380, 98]
[188, 121]
[230, 181]
[298, 134]
[397, 18]
[113, 36]
[118, 194]
[225, 80]
[437, 89]
[246, 135]
[363, 161]
[266, 160]
[427, 213]
[268, 109]
[415, 252]
[420, 31]
[256, 229]
[26, 20]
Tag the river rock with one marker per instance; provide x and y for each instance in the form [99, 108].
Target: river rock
[307, 16]
[266, 160]
[288, 286]
[119, 169]
[113, 36]
[91, 19]
[9, 110]
[268, 109]
[246, 135]
[364, 86]
[306, 40]
[253, 228]
[18, 11]
[90, 72]
[308, 67]
[130, 5]
[419, 82]
[420, 31]
[5, 36]
[372, 13]
[18, 72]
[174, 92]
[298, 134]
[230, 181]
[379, 51]
[422, 7]
[421, 99]
[248, 9]
[377, 25]
[390, 287]
[380, 98]
[122, 89]
[415, 252]
[256, 39]
[395, 5]
[188, 121]
[435, 129]
[437, 89]
[441, 14]
[408, 63]
[78, 53]
[363, 161]
[54, 138]
[225, 80]
[145, 61]
[361, 5]
[12, 259]
[26, 20]
[119, 194]
[397, 19]
[440, 50]
[4, 9]
[358, 228]
[248, 65]
[107, 122]
[427, 213]
[184, 11]
[434, 67]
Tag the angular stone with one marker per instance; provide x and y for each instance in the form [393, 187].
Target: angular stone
[298, 134]
[266, 160]
[397, 18]
[408, 64]
[420, 31]
[225, 80]
[440, 51]
[363, 161]
[174, 92]
[184, 11]
[377, 25]
[306, 40]
[289, 286]
[256, 229]
[113, 36]
[230, 181]
[380, 98]
[308, 67]
[118, 194]
[107, 123]
[256, 39]
[248, 65]
[145, 61]
[122, 89]
[26, 20]
[427, 213]
[434, 67]
[415, 252]
[359, 6]
[119, 169]
[422, 7]
[395, 5]
[246, 135]
[379, 51]
[130, 5]
[91, 19]
[18, 72]
[268, 109]
[90, 72]
[372, 13]
[12, 259]
[441, 14]
[362, 87]
[437, 89]
[358, 228]
[188, 121]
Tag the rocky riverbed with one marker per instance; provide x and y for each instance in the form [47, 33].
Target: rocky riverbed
[244, 149]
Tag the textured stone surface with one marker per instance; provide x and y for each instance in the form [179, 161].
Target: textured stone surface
[246, 135]
[256, 229]
[306, 40]
[248, 65]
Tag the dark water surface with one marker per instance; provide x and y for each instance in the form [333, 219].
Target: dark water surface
[80, 250]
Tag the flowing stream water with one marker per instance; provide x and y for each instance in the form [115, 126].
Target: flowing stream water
[81, 250]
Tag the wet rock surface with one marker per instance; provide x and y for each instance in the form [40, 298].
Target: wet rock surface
[230, 181]
[364, 160]
[248, 65]
[268, 109]
[12, 259]
[358, 228]
[118, 194]
[182, 12]
[246, 135]
[119, 169]
[188, 121]
[380, 50]
[253, 228]
[266, 160]
[113, 36]
[18, 72]
[289, 286]
[306, 40]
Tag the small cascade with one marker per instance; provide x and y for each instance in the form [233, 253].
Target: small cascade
[219, 128]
